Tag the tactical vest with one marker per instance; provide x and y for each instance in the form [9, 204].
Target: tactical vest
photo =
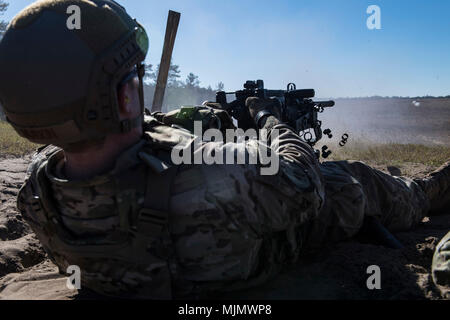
[137, 259]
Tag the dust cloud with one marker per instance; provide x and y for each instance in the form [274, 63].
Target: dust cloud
[390, 120]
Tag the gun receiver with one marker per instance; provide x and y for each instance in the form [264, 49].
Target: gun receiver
[297, 108]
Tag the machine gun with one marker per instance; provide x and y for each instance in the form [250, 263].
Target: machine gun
[297, 108]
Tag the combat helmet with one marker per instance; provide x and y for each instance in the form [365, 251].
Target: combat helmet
[58, 83]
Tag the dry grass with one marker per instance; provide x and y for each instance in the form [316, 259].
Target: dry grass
[393, 153]
[11, 144]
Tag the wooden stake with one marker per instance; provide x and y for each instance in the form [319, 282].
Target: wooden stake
[164, 67]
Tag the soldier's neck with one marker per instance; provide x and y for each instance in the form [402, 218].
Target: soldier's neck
[100, 160]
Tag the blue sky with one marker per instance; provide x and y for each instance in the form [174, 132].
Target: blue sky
[322, 44]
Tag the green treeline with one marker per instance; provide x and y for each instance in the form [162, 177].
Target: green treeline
[178, 92]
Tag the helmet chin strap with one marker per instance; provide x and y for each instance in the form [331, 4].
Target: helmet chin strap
[141, 74]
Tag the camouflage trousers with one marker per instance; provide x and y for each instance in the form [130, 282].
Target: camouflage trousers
[354, 191]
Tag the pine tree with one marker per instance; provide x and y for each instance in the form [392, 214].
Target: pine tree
[172, 80]
[192, 81]
[150, 75]
[3, 24]
[220, 86]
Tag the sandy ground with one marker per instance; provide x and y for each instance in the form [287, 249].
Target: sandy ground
[335, 272]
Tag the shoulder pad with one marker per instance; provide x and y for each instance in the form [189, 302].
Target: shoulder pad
[40, 156]
[163, 136]
[161, 139]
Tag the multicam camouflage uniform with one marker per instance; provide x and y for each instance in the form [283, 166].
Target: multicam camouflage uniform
[228, 226]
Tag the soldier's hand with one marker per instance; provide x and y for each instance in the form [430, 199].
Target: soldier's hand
[261, 109]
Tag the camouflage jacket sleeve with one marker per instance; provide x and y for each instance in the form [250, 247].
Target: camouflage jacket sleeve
[224, 214]
[27, 201]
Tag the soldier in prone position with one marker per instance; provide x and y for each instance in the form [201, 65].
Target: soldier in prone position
[104, 194]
